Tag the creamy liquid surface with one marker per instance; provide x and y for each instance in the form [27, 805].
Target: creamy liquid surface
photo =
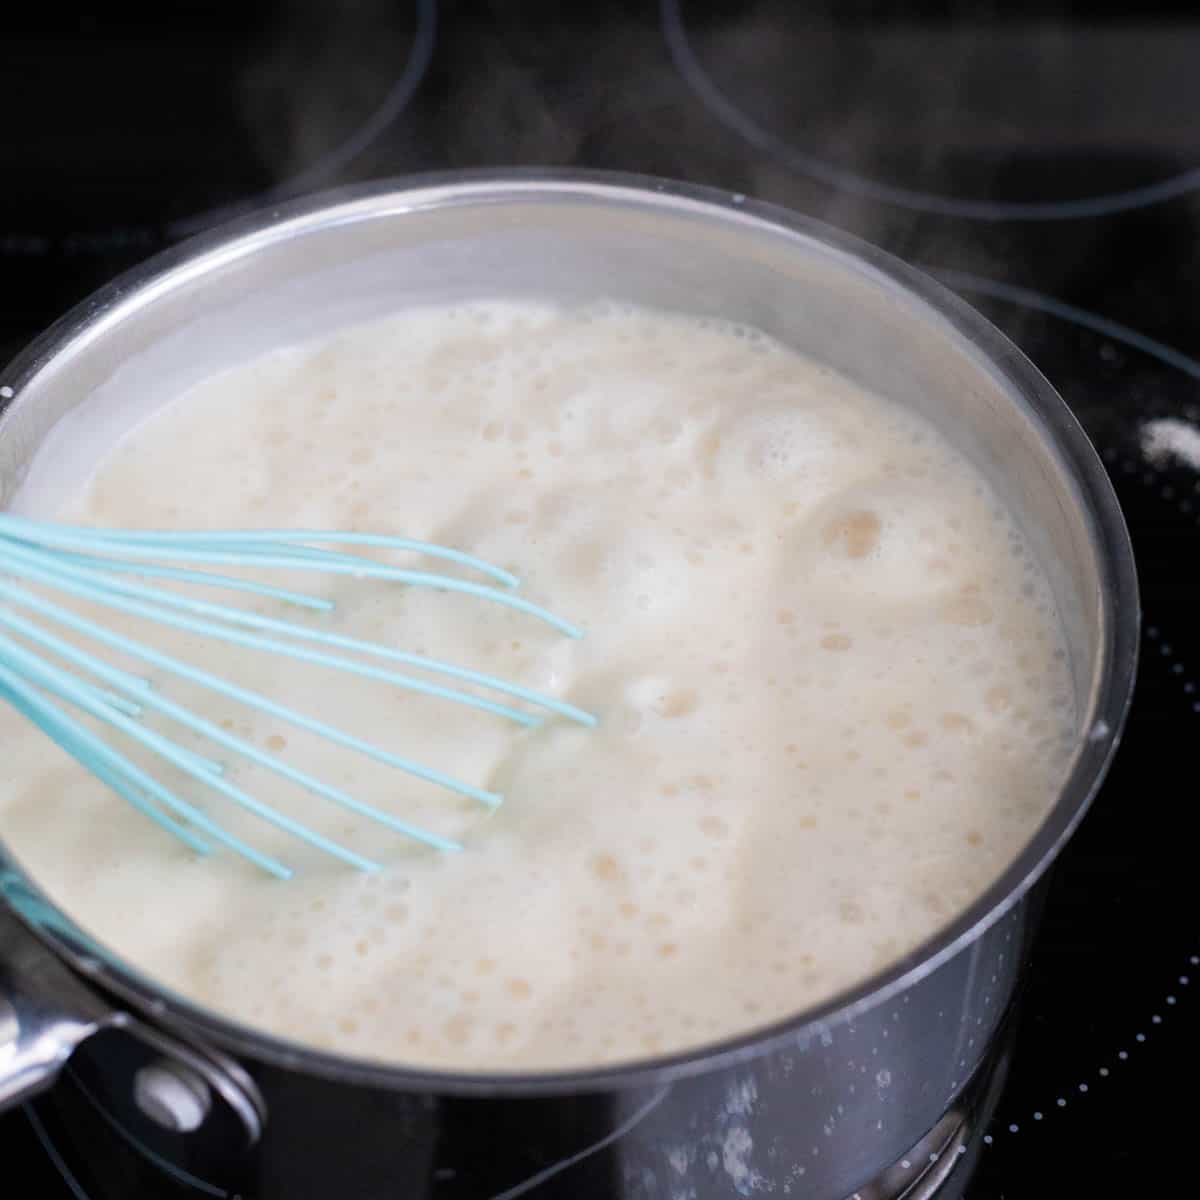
[832, 692]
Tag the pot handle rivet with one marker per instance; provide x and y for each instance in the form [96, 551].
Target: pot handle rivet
[172, 1095]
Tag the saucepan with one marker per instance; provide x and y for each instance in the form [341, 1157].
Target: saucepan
[879, 1091]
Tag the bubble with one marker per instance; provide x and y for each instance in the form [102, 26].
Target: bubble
[956, 722]
[853, 534]
[837, 642]
[677, 703]
[458, 1029]
[605, 867]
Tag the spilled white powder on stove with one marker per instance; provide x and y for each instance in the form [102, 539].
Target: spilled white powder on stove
[831, 686]
[1171, 438]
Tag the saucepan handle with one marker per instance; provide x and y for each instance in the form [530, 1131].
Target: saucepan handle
[45, 1012]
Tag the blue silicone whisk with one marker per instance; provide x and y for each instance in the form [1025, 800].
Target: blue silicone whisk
[111, 568]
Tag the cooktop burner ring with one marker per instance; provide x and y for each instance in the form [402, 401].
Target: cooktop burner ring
[728, 114]
[327, 167]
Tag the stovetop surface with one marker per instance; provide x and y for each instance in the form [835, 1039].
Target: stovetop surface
[1044, 161]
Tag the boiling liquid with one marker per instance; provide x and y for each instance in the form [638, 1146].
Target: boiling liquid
[832, 692]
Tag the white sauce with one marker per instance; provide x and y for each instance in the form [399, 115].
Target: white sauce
[832, 693]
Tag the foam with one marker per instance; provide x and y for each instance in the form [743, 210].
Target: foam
[832, 691]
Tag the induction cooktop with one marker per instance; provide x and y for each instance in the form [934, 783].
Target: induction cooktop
[1041, 159]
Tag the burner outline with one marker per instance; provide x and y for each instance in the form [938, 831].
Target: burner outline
[332, 161]
[702, 85]
[959, 281]
[47, 1144]
[1173, 358]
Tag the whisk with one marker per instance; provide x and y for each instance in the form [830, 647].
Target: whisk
[110, 568]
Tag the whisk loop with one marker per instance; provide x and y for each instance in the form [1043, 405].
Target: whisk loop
[169, 541]
[109, 568]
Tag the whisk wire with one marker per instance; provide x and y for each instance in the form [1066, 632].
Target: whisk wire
[112, 566]
[62, 730]
[254, 555]
[112, 595]
[233, 691]
[128, 707]
[62, 684]
[90, 750]
[39, 565]
[207, 729]
[89, 564]
[73, 536]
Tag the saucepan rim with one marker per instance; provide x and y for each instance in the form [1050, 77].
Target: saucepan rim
[1112, 685]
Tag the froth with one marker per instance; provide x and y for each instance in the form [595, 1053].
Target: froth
[832, 690]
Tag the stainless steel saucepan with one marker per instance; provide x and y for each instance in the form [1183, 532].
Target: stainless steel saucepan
[877, 1091]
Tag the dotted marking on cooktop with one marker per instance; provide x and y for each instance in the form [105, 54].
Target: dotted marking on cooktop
[1166, 651]
[1130, 468]
[1104, 1072]
[1084, 1089]
[1178, 669]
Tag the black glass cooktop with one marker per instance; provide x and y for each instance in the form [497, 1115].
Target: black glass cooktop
[1042, 159]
